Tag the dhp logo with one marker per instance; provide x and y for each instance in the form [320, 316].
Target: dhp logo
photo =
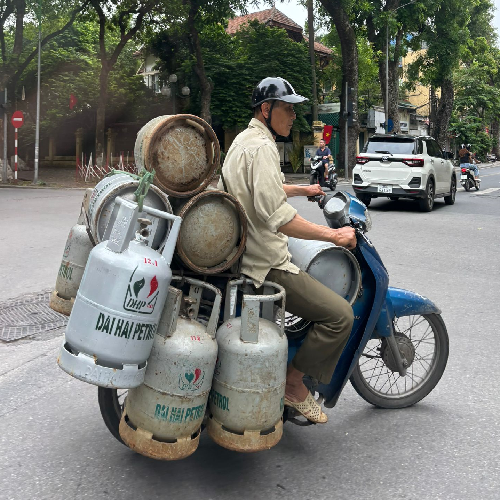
[137, 298]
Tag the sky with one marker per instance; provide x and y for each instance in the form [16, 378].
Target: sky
[298, 13]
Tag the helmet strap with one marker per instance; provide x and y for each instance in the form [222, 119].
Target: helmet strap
[268, 119]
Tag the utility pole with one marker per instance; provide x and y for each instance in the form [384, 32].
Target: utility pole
[37, 129]
[387, 77]
[4, 176]
[310, 22]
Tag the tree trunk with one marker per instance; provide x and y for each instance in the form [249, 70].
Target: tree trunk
[393, 110]
[349, 50]
[199, 68]
[443, 113]
[100, 125]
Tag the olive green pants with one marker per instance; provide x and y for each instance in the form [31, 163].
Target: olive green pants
[332, 316]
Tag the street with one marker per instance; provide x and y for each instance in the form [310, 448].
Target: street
[54, 444]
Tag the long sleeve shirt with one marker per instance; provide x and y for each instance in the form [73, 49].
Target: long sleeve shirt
[253, 176]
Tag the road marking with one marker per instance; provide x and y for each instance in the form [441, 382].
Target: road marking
[489, 175]
[487, 191]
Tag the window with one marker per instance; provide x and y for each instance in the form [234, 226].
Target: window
[394, 145]
[433, 149]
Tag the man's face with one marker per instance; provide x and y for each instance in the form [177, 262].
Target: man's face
[282, 117]
[322, 144]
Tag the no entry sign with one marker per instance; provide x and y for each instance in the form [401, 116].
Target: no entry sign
[17, 119]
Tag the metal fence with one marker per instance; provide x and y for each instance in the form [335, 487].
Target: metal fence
[89, 170]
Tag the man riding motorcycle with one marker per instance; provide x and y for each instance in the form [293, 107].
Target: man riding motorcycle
[252, 174]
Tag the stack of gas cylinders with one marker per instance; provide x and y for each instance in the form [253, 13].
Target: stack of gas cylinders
[186, 361]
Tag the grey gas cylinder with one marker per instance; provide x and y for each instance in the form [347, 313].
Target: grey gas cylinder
[162, 418]
[111, 329]
[335, 267]
[69, 276]
[75, 256]
[183, 150]
[102, 210]
[247, 398]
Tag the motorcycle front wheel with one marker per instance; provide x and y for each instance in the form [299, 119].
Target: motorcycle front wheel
[423, 340]
[111, 403]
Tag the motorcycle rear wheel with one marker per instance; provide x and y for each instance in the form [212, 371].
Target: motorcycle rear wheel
[111, 405]
[467, 185]
[380, 386]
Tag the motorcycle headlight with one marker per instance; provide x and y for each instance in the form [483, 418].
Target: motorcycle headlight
[368, 221]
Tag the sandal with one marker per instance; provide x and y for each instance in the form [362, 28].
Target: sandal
[309, 409]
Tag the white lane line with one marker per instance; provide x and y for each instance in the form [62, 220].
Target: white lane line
[487, 191]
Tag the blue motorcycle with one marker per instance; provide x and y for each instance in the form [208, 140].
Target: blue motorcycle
[398, 347]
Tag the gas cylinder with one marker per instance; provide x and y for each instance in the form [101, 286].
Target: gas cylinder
[111, 329]
[75, 255]
[247, 398]
[102, 210]
[162, 418]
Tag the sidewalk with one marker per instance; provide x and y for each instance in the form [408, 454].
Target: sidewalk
[65, 178]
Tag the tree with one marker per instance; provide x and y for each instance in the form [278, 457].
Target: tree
[446, 35]
[340, 11]
[401, 22]
[124, 18]
[18, 17]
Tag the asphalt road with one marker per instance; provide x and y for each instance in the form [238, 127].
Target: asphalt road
[54, 444]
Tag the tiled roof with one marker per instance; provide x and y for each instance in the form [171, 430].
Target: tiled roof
[264, 16]
[319, 47]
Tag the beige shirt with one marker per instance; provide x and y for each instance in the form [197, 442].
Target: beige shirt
[253, 176]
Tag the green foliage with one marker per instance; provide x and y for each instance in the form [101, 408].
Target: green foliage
[368, 86]
[471, 130]
[235, 64]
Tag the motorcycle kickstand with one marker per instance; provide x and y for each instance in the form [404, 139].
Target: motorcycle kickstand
[399, 359]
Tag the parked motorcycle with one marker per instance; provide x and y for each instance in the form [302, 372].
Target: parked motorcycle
[330, 181]
[491, 157]
[398, 347]
[468, 180]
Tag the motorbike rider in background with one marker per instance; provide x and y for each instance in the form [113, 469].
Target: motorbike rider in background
[252, 174]
[466, 159]
[323, 151]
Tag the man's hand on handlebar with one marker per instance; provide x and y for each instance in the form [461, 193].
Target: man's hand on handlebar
[313, 190]
[345, 237]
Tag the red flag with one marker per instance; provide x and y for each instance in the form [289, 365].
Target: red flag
[327, 133]
[72, 101]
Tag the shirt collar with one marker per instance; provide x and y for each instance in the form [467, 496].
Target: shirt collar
[254, 123]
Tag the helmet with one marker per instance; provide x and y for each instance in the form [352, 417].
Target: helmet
[468, 146]
[275, 89]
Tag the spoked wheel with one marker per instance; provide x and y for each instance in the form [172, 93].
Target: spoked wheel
[423, 340]
[111, 403]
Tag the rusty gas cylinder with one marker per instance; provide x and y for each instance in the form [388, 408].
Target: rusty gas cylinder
[183, 150]
[213, 232]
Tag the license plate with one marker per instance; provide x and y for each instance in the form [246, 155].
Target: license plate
[385, 189]
[463, 177]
